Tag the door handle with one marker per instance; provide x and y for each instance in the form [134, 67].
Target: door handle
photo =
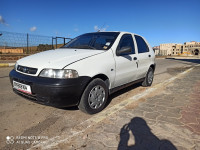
[149, 55]
[135, 58]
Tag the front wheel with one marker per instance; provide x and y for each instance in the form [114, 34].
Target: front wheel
[149, 78]
[94, 97]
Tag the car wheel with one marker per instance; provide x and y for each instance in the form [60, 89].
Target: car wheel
[149, 78]
[94, 97]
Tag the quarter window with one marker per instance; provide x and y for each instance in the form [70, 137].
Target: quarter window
[141, 44]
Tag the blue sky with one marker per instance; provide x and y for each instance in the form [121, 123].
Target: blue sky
[159, 21]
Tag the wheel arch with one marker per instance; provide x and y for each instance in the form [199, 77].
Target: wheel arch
[102, 77]
[153, 66]
[99, 79]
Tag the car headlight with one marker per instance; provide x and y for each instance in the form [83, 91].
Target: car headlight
[58, 73]
[16, 65]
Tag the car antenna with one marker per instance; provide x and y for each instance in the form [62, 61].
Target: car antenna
[100, 29]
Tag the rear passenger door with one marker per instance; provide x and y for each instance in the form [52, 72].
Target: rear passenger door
[144, 56]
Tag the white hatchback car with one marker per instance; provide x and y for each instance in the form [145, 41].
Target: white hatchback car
[85, 71]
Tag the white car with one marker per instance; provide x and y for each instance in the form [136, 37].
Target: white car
[85, 71]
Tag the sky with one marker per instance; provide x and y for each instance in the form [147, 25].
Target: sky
[159, 21]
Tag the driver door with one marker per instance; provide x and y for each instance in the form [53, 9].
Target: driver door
[126, 63]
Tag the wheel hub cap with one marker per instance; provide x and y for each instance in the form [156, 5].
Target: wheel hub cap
[150, 77]
[96, 97]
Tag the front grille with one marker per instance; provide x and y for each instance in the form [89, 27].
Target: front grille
[27, 70]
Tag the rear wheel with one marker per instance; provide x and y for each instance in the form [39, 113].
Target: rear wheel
[94, 97]
[149, 78]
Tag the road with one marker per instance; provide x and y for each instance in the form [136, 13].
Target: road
[20, 117]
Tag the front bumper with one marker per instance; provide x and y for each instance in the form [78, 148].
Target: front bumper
[49, 91]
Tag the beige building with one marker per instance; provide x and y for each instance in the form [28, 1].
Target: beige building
[177, 49]
[191, 48]
[166, 49]
[186, 49]
[156, 50]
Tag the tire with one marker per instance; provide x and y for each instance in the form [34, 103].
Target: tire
[149, 78]
[94, 97]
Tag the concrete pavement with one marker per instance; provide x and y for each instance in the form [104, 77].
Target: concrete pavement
[168, 119]
[21, 118]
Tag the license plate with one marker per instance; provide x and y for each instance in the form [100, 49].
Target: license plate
[22, 87]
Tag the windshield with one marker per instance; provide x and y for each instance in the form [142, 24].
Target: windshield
[96, 41]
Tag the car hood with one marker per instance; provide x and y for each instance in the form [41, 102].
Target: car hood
[56, 59]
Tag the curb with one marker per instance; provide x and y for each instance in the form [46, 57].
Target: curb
[7, 64]
[183, 57]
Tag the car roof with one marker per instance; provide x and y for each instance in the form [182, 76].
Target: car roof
[123, 32]
[119, 32]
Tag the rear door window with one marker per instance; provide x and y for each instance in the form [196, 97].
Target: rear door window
[141, 44]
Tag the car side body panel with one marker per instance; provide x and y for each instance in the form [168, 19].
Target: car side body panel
[98, 64]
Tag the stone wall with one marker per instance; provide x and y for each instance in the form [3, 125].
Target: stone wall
[12, 51]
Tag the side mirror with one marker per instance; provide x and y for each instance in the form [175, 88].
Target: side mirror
[124, 50]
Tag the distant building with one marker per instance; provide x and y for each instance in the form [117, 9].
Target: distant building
[191, 48]
[177, 49]
[166, 49]
[186, 49]
[156, 50]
